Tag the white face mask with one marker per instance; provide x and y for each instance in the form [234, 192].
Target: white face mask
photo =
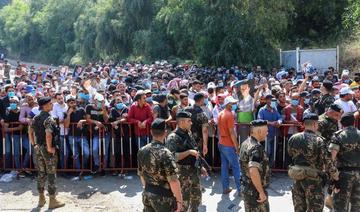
[337, 97]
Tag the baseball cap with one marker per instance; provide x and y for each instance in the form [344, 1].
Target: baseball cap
[346, 90]
[230, 100]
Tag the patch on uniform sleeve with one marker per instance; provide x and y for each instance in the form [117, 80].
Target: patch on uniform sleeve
[48, 124]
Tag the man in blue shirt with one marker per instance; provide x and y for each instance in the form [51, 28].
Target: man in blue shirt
[270, 114]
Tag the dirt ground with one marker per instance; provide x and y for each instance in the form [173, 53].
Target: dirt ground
[113, 193]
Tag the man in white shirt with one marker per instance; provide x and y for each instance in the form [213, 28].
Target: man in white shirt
[58, 113]
[345, 101]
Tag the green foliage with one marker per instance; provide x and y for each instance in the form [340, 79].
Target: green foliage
[211, 32]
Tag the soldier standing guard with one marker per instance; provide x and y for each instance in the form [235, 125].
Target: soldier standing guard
[181, 143]
[43, 134]
[345, 148]
[158, 173]
[255, 168]
[310, 161]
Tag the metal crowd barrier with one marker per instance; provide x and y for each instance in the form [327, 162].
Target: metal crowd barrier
[118, 146]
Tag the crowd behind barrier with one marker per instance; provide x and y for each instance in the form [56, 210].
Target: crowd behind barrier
[116, 152]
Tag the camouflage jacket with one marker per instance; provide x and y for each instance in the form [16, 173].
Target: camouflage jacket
[308, 149]
[199, 120]
[347, 143]
[327, 127]
[156, 164]
[252, 154]
[323, 103]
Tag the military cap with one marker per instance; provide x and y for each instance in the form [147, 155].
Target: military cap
[258, 123]
[315, 91]
[304, 94]
[311, 116]
[183, 114]
[347, 119]
[158, 124]
[198, 96]
[44, 100]
[269, 96]
[335, 107]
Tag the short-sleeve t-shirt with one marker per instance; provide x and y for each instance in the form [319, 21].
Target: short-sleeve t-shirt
[75, 117]
[226, 122]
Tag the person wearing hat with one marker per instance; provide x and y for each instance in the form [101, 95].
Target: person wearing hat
[77, 133]
[158, 173]
[255, 168]
[228, 145]
[200, 122]
[345, 150]
[345, 101]
[141, 114]
[274, 119]
[326, 99]
[328, 122]
[42, 133]
[309, 158]
[183, 145]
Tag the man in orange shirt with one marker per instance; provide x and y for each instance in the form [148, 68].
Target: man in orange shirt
[228, 145]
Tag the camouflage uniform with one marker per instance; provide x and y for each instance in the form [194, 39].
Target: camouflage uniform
[46, 162]
[252, 154]
[189, 174]
[199, 120]
[327, 127]
[323, 103]
[347, 143]
[309, 150]
[157, 166]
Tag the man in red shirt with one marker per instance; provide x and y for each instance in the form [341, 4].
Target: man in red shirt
[228, 145]
[140, 113]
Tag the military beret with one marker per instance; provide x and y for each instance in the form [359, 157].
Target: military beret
[311, 116]
[269, 96]
[347, 119]
[198, 96]
[335, 107]
[158, 124]
[44, 100]
[258, 123]
[304, 94]
[183, 114]
[315, 91]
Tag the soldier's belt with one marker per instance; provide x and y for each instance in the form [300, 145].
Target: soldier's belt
[158, 190]
[297, 172]
[349, 169]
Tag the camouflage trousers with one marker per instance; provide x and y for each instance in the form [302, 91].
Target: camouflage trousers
[189, 178]
[308, 195]
[46, 166]
[156, 203]
[349, 192]
[250, 200]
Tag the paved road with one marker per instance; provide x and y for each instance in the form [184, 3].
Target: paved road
[116, 194]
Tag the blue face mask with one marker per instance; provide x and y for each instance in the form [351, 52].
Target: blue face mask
[206, 102]
[33, 93]
[294, 102]
[13, 106]
[156, 91]
[84, 96]
[273, 104]
[307, 101]
[233, 107]
[99, 105]
[11, 94]
[221, 84]
[119, 106]
[149, 99]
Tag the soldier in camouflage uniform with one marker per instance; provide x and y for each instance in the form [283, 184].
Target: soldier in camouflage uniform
[200, 122]
[42, 135]
[255, 168]
[181, 143]
[345, 148]
[327, 99]
[158, 173]
[328, 122]
[308, 152]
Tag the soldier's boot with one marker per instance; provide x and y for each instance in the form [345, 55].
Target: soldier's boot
[55, 203]
[42, 200]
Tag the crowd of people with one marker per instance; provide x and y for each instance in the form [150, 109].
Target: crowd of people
[104, 96]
